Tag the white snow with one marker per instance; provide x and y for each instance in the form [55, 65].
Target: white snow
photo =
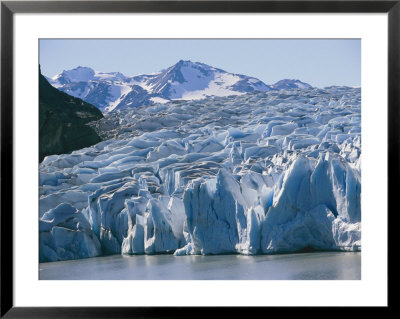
[118, 93]
[219, 86]
[79, 74]
[159, 100]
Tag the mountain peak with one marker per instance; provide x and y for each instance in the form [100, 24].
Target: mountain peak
[79, 74]
[192, 64]
[287, 84]
[186, 62]
[80, 69]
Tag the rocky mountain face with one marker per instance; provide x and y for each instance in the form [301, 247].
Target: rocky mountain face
[62, 121]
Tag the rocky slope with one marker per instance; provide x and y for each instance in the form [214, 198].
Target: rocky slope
[62, 121]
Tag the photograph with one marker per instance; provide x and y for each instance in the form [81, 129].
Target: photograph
[199, 159]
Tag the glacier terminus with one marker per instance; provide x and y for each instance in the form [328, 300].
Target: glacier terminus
[269, 170]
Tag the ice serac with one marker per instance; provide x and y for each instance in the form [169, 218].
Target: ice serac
[223, 216]
[311, 204]
[256, 173]
[211, 209]
[164, 227]
[107, 215]
[65, 234]
[156, 229]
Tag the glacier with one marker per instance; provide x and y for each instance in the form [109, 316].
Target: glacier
[259, 173]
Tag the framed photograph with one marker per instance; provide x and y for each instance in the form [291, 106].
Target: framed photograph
[159, 155]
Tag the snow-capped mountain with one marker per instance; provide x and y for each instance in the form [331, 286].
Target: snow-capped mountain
[288, 84]
[186, 80]
[85, 74]
[97, 88]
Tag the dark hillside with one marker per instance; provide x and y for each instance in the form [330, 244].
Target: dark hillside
[62, 120]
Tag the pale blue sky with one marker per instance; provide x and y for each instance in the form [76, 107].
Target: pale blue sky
[318, 62]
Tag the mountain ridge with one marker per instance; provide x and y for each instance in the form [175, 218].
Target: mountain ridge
[185, 80]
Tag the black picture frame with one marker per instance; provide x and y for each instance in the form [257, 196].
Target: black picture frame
[9, 8]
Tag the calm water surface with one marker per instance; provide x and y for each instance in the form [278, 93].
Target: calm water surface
[324, 265]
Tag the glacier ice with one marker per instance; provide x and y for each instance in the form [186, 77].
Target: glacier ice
[259, 173]
[64, 233]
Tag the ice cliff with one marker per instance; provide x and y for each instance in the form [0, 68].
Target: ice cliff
[265, 172]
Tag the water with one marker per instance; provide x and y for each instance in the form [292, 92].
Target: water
[324, 265]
